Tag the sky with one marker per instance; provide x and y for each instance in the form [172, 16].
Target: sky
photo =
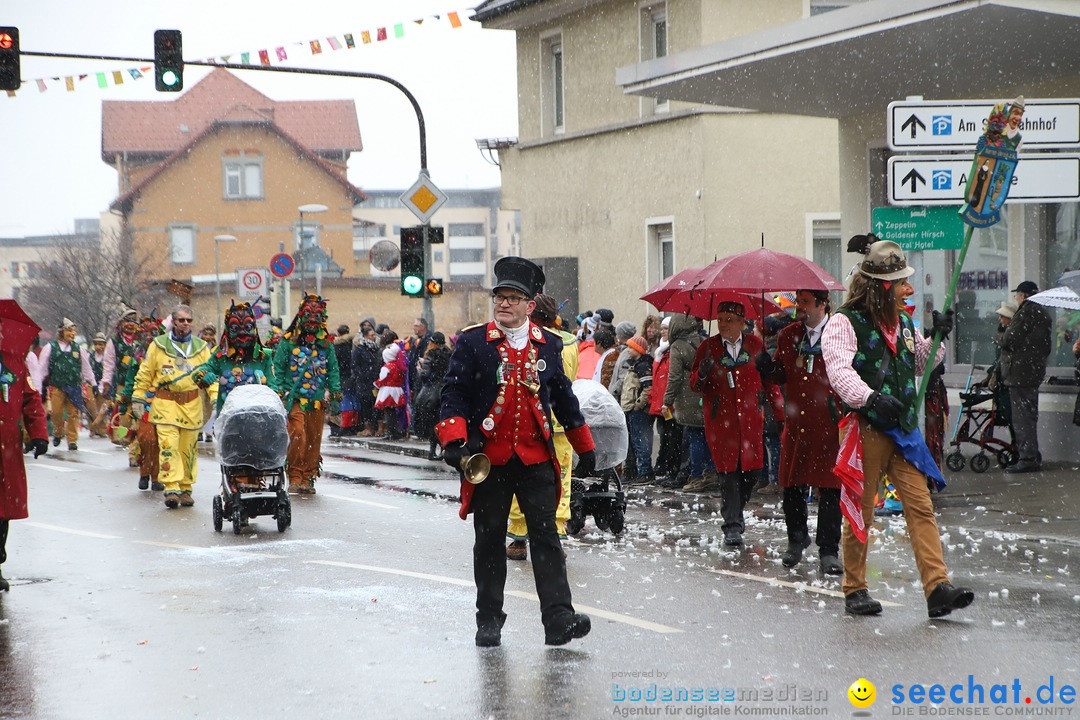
[463, 78]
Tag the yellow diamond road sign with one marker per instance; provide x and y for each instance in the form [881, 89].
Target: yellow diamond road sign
[423, 198]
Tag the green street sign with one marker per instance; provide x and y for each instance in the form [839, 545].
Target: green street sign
[920, 228]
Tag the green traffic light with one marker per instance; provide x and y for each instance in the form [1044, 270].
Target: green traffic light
[169, 78]
[412, 284]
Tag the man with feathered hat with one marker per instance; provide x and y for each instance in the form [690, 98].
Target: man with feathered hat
[872, 353]
[505, 379]
[306, 372]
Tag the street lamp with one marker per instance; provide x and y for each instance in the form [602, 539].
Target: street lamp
[218, 239]
[311, 209]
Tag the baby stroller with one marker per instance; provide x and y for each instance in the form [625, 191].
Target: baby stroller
[978, 418]
[601, 496]
[252, 442]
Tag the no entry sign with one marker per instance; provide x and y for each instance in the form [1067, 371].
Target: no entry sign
[282, 265]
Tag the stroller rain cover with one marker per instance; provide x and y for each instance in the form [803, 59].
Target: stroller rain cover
[606, 421]
[252, 429]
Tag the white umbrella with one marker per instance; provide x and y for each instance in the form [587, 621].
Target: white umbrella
[1059, 297]
[1070, 279]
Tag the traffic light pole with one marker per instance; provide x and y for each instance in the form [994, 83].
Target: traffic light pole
[428, 309]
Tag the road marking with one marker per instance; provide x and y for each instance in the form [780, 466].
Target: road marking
[394, 571]
[57, 468]
[362, 502]
[176, 546]
[71, 531]
[793, 585]
[607, 614]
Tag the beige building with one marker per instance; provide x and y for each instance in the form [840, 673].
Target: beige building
[639, 188]
[917, 51]
[215, 183]
[476, 232]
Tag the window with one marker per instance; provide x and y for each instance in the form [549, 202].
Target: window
[828, 252]
[307, 235]
[466, 255]
[243, 176]
[182, 244]
[466, 229]
[654, 44]
[660, 238]
[551, 91]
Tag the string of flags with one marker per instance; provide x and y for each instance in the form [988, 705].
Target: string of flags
[280, 54]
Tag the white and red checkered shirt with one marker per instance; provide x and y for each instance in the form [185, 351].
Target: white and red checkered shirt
[838, 348]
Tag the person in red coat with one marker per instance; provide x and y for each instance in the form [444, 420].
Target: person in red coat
[727, 372]
[18, 401]
[810, 439]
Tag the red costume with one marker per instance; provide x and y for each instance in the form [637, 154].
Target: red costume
[733, 397]
[811, 439]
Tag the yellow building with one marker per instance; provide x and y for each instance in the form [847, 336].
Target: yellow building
[639, 188]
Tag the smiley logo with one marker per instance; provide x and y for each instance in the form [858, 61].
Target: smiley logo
[862, 693]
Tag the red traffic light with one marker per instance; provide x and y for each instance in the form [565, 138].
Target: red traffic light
[10, 70]
[6, 41]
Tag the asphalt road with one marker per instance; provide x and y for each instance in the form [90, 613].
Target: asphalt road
[121, 608]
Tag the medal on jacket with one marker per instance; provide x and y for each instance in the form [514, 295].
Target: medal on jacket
[530, 375]
[730, 380]
[810, 364]
[909, 340]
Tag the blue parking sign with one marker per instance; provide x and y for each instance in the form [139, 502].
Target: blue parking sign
[941, 125]
[941, 179]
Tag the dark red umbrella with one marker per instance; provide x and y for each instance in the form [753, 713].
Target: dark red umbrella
[18, 329]
[662, 291]
[764, 270]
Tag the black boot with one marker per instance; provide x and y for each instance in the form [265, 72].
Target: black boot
[4, 585]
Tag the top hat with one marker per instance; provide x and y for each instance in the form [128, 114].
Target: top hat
[885, 261]
[519, 274]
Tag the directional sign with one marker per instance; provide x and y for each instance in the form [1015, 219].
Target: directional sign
[958, 124]
[252, 282]
[941, 179]
[423, 198]
[282, 265]
[919, 228]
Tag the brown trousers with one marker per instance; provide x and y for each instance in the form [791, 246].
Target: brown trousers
[97, 407]
[880, 456]
[305, 444]
[146, 434]
[59, 404]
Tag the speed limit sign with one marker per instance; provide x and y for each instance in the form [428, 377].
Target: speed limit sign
[252, 282]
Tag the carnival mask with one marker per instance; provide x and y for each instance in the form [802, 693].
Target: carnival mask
[240, 327]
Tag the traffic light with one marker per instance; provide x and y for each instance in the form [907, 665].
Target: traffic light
[412, 261]
[10, 72]
[433, 287]
[168, 61]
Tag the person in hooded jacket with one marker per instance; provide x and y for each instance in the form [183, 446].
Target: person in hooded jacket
[669, 457]
[682, 401]
[366, 363]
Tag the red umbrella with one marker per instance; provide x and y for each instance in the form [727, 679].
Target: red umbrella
[662, 291]
[19, 330]
[702, 303]
[764, 270]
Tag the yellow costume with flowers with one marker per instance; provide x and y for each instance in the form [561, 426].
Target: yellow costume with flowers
[177, 407]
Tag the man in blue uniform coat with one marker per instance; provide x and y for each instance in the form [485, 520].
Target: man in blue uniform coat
[505, 379]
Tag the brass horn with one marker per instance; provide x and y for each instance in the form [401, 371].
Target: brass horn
[476, 467]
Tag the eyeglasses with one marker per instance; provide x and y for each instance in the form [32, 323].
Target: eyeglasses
[512, 300]
[180, 320]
